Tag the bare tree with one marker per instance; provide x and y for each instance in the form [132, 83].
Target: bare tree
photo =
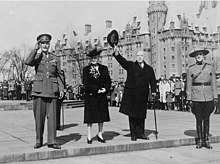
[12, 63]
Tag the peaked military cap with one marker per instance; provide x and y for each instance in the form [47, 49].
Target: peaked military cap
[197, 50]
[94, 52]
[112, 38]
[44, 38]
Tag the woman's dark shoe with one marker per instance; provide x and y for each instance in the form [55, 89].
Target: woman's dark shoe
[89, 141]
[54, 146]
[38, 145]
[100, 140]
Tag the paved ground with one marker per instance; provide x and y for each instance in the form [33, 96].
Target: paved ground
[176, 155]
[17, 134]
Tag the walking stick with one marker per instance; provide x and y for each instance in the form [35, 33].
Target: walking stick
[155, 117]
[62, 115]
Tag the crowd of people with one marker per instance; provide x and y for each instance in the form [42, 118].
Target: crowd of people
[16, 90]
[170, 94]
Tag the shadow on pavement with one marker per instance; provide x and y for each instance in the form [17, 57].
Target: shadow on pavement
[69, 125]
[109, 135]
[192, 133]
[67, 138]
[147, 132]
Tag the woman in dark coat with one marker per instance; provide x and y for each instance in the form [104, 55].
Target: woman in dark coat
[97, 83]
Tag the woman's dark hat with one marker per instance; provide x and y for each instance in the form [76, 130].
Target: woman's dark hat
[94, 52]
[196, 50]
[44, 38]
[113, 38]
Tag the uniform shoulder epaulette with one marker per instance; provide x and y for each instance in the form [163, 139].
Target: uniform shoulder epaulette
[192, 65]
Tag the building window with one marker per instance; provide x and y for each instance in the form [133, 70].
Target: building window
[173, 57]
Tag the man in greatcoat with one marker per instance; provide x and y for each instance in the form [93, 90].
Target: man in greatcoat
[47, 87]
[135, 98]
[201, 94]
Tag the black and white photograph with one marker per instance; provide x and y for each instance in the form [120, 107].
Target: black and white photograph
[110, 82]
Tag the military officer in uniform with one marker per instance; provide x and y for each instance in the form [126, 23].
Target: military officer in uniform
[201, 94]
[47, 88]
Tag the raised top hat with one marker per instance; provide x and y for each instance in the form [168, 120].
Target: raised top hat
[94, 52]
[197, 50]
[44, 38]
[113, 38]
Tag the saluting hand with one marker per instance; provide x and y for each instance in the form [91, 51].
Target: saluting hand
[190, 103]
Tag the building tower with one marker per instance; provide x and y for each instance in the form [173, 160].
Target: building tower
[157, 12]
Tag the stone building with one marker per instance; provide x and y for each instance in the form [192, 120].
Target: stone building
[166, 37]
[73, 53]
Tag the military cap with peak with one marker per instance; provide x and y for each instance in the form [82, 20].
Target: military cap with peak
[44, 38]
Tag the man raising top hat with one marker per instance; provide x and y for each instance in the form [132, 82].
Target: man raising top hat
[140, 76]
[47, 88]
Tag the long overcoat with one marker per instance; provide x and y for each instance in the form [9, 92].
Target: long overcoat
[96, 104]
[136, 91]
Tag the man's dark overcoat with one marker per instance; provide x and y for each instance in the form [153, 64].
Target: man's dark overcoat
[136, 91]
[96, 105]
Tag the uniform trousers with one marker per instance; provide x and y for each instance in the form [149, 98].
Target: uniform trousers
[59, 106]
[218, 104]
[45, 107]
[136, 126]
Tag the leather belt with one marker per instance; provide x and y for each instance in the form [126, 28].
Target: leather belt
[202, 84]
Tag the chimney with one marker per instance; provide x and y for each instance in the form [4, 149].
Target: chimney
[88, 29]
[108, 24]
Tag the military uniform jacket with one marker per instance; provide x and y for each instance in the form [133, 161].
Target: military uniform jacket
[136, 90]
[48, 77]
[202, 88]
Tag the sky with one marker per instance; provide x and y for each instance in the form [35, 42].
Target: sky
[22, 21]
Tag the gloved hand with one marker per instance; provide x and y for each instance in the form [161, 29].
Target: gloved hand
[215, 101]
[190, 103]
[153, 95]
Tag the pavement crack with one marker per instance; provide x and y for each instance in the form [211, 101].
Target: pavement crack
[14, 136]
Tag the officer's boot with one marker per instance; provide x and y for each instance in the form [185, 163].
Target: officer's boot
[206, 142]
[199, 133]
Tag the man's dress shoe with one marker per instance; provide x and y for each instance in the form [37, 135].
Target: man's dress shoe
[133, 138]
[38, 145]
[54, 146]
[144, 137]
